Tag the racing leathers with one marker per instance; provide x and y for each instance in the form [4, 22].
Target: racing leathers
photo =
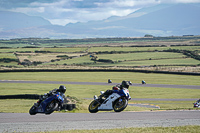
[46, 95]
[124, 84]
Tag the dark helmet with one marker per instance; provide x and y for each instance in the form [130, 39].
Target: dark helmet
[125, 84]
[62, 89]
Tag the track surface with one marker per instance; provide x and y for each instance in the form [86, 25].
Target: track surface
[23, 122]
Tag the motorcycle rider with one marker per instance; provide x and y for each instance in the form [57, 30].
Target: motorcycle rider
[62, 90]
[124, 84]
[143, 82]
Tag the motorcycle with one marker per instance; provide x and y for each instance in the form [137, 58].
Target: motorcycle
[143, 82]
[117, 101]
[197, 104]
[48, 106]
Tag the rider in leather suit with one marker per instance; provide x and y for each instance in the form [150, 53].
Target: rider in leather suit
[61, 89]
[124, 84]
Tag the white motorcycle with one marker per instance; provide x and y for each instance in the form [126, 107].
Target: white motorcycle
[197, 104]
[117, 101]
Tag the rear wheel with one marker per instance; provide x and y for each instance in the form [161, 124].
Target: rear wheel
[93, 107]
[51, 107]
[120, 104]
[32, 110]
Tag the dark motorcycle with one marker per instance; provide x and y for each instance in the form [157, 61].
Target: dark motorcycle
[48, 106]
[143, 82]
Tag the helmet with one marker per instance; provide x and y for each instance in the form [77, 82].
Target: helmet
[125, 84]
[62, 89]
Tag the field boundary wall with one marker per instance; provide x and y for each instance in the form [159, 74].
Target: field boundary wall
[98, 70]
[20, 96]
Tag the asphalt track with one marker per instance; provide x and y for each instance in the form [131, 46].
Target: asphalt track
[23, 122]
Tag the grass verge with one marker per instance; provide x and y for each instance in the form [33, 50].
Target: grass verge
[116, 77]
[88, 91]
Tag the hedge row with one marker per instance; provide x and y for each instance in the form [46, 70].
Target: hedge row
[8, 60]
[192, 54]
[20, 96]
[97, 70]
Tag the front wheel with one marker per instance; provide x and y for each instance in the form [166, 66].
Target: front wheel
[93, 107]
[120, 104]
[51, 107]
[32, 110]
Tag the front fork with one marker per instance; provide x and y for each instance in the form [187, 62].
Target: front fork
[97, 99]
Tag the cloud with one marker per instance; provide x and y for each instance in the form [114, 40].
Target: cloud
[127, 3]
[179, 1]
[70, 11]
[66, 11]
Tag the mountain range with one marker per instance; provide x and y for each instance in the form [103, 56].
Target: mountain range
[160, 20]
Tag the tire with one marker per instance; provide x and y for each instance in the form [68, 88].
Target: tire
[93, 107]
[120, 104]
[69, 107]
[32, 110]
[51, 107]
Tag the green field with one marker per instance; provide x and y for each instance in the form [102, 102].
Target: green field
[88, 91]
[144, 63]
[64, 50]
[116, 77]
[126, 53]
[75, 61]
[12, 50]
[114, 49]
[141, 56]
[177, 54]
[109, 49]
[147, 59]
[7, 55]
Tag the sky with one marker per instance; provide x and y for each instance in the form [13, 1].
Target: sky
[62, 12]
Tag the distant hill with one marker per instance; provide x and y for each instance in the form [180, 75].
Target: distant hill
[17, 25]
[15, 20]
[160, 20]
